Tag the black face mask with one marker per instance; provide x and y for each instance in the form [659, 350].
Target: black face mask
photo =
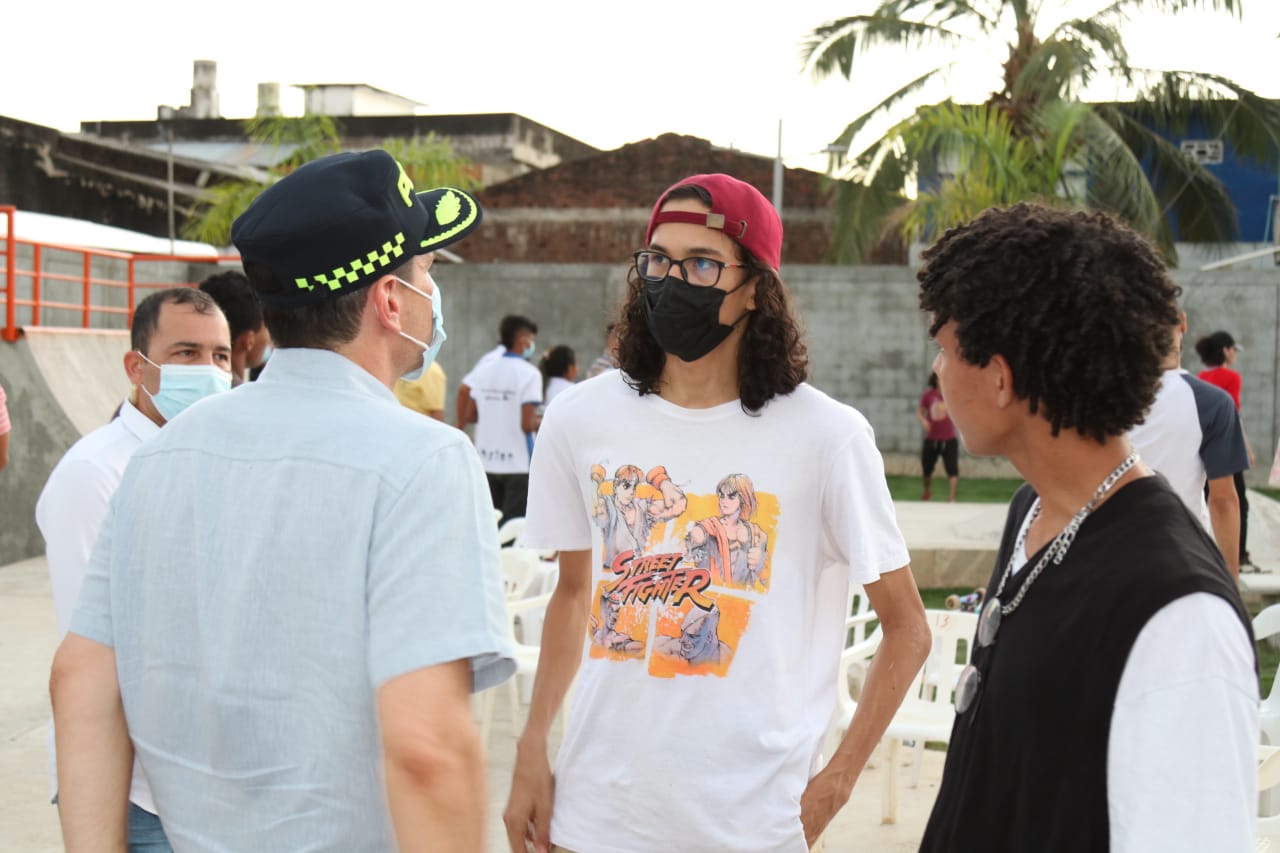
[685, 319]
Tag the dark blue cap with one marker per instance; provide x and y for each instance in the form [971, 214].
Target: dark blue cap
[337, 224]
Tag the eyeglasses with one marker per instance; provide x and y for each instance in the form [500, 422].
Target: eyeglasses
[969, 684]
[700, 272]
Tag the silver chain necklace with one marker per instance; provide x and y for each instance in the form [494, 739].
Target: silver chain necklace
[1061, 543]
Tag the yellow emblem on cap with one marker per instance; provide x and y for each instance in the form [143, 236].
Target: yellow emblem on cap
[448, 208]
[405, 184]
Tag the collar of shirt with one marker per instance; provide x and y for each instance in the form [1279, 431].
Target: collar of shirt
[137, 423]
[322, 368]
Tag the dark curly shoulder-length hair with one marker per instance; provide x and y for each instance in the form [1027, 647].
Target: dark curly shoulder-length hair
[1077, 303]
[773, 358]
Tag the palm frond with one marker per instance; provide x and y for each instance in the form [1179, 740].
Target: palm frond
[211, 220]
[833, 47]
[841, 143]
[1185, 189]
[1249, 122]
[1096, 34]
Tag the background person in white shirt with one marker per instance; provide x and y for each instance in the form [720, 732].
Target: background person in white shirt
[559, 371]
[1192, 436]
[177, 327]
[464, 411]
[505, 394]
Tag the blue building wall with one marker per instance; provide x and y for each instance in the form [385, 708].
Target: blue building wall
[1250, 184]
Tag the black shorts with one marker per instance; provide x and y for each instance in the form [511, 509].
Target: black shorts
[948, 448]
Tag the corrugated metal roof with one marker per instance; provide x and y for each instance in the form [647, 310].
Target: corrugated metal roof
[230, 153]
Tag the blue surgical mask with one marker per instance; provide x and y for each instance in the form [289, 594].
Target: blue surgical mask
[438, 337]
[266, 353]
[183, 384]
[528, 351]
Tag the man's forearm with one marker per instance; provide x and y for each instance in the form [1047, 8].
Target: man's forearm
[563, 630]
[95, 755]
[1224, 516]
[440, 805]
[891, 674]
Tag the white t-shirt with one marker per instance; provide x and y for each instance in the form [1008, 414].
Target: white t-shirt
[1181, 751]
[1191, 434]
[70, 512]
[723, 546]
[555, 385]
[500, 388]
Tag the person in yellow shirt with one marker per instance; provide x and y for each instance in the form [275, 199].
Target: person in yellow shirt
[424, 394]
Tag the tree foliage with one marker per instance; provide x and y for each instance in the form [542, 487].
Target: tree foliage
[429, 161]
[1034, 138]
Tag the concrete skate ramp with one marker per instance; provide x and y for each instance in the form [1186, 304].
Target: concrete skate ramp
[84, 371]
[60, 384]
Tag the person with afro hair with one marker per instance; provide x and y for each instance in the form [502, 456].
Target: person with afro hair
[1111, 698]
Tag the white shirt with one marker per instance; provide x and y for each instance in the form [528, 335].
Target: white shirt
[500, 388]
[1191, 434]
[1181, 753]
[723, 545]
[555, 385]
[70, 512]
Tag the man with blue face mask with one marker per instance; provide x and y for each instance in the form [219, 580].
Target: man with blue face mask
[180, 352]
[505, 398]
[299, 585]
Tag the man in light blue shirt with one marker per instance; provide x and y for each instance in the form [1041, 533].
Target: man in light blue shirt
[297, 585]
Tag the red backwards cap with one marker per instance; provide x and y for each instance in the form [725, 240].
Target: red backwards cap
[737, 208]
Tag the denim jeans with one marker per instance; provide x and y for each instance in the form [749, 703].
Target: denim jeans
[146, 835]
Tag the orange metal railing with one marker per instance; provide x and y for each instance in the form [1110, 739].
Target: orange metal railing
[85, 308]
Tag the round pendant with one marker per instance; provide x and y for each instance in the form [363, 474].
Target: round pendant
[989, 622]
[967, 688]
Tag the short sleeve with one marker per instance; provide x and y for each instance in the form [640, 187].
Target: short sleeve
[532, 390]
[70, 514]
[92, 615]
[860, 527]
[435, 590]
[1222, 448]
[556, 517]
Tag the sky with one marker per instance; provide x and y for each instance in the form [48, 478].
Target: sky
[606, 73]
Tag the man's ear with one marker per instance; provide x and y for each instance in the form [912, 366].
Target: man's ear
[245, 341]
[1002, 379]
[384, 300]
[133, 365]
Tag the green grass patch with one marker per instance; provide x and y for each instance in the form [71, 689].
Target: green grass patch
[905, 487]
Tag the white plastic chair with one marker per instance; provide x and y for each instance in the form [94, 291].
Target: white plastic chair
[928, 712]
[510, 530]
[526, 655]
[1268, 826]
[1265, 625]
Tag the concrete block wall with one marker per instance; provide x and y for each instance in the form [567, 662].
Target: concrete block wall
[868, 342]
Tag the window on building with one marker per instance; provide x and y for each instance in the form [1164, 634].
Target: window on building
[1207, 152]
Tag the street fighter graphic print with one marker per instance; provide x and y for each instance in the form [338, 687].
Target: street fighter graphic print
[679, 570]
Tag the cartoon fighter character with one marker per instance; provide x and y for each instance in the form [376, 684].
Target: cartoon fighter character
[731, 545]
[606, 634]
[699, 640]
[627, 507]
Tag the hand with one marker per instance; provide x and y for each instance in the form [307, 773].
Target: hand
[528, 814]
[824, 796]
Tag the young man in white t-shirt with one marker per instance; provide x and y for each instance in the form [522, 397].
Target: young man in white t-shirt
[505, 395]
[710, 510]
[1191, 435]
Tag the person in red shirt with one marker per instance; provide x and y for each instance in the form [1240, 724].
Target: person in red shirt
[939, 440]
[1218, 352]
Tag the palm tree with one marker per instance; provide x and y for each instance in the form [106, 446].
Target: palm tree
[1033, 137]
[429, 162]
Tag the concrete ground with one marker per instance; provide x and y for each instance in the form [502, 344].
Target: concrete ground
[28, 638]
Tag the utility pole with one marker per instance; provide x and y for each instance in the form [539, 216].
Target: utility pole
[777, 173]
